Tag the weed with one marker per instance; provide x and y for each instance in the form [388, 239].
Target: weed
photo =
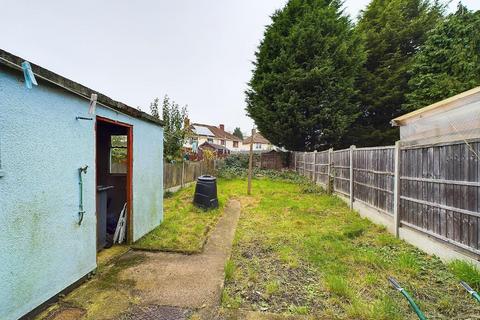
[300, 310]
[229, 301]
[385, 308]
[168, 194]
[407, 262]
[229, 270]
[337, 285]
[272, 287]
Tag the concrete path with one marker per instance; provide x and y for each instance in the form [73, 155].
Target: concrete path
[164, 286]
[186, 281]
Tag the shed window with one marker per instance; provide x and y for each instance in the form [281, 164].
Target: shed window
[118, 154]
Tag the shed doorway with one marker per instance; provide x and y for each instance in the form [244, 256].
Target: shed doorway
[113, 182]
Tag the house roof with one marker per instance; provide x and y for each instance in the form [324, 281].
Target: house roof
[438, 107]
[216, 131]
[12, 61]
[202, 131]
[257, 138]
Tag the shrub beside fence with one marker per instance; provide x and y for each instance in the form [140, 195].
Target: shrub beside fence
[432, 189]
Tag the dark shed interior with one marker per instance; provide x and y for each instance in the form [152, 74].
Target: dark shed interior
[112, 166]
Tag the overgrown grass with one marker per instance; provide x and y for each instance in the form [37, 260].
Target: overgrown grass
[185, 227]
[467, 272]
[297, 252]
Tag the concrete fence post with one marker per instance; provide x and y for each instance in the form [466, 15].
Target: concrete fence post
[329, 171]
[396, 190]
[314, 166]
[305, 164]
[295, 161]
[352, 196]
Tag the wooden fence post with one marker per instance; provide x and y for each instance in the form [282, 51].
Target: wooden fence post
[352, 197]
[396, 190]
[329, 170]
[250, 165]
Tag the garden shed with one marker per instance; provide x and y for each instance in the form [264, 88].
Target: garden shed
[452, 119]
[71, 161]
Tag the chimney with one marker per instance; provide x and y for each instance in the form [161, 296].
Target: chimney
[222, 127]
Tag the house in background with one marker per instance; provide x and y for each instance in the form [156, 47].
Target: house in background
[260, 144]
[67, 169]
[201, 133]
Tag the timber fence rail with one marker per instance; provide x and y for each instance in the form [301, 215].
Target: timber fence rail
[432, 189]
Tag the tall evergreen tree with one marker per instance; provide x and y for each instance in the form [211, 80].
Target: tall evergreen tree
[449, 62]
[300, 95]
[393, 31]
[238, 133]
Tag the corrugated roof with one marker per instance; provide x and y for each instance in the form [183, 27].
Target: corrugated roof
[441, 106]
[14, 62]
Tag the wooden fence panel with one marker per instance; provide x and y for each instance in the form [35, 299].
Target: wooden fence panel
[300, 163]
[341, 171]
[374, 177]
[172, 175]
[321, 168]
[440, 192]
[310, 166]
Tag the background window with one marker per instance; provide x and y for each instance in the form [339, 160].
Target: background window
[210, 140]
[258, 146]
[222, 142]
[118, 154]
[235, 144]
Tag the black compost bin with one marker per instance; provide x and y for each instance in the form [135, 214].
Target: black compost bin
[206, 192]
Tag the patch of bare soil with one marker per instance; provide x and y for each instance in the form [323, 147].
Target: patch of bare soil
[290, 286]
[157, 312]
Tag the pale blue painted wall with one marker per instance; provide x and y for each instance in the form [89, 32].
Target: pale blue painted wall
[42, 145]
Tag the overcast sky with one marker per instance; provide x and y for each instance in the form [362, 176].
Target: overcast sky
[197, 52]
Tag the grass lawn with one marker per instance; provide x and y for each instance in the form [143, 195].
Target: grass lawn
[185, 227]
[303, 253]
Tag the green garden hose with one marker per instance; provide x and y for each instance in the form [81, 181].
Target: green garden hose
[412, 303]
[472, 292]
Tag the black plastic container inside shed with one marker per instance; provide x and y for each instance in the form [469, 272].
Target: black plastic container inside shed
[206, 192]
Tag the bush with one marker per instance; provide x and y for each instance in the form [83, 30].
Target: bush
[237, 161]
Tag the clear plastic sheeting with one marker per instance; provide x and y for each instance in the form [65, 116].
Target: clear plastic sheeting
[457, 124]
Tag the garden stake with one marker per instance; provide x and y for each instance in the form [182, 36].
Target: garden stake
[472, 292]
[412, 303]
